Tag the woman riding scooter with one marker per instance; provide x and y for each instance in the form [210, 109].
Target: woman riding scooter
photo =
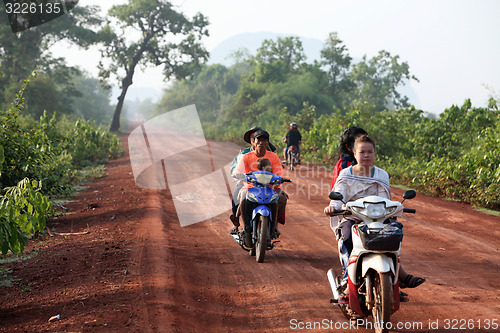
[358, 181]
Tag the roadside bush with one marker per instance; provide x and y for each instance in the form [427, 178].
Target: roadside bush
[36, 152]
[89, 145]
[23, 212]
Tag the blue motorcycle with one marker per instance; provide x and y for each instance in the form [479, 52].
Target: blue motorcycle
[263, 197]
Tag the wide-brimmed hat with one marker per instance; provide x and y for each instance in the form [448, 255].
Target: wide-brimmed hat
[247, 134]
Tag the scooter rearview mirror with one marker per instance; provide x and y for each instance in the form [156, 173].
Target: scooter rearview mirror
[410, 194]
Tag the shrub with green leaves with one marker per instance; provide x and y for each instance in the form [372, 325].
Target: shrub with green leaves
[23, 213]
[89, 145]
[47, 151]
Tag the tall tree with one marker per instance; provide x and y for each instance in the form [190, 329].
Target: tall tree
[272, 67]
[93, 102]
[23, 52]
[166, 37]
[337, 62]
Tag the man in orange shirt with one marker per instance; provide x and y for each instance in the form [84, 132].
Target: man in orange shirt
[248, 163]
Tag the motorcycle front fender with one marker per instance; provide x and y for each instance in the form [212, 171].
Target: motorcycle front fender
[262, 210]
[379, 262]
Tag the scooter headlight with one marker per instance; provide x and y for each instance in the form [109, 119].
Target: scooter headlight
[359, 210]
[375, 210]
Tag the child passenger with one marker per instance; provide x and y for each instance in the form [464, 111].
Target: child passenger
[264, 164]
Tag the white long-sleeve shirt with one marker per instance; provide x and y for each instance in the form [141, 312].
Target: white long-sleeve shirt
[353, 187]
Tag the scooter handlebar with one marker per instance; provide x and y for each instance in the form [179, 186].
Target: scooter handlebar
[409, 210]
[337, 212]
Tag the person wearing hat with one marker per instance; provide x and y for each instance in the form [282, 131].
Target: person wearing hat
[248, 137]
[249, 163]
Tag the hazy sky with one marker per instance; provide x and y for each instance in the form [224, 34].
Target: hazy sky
[452, 46]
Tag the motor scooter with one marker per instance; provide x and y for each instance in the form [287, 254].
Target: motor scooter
[372, 285]
[260, 236]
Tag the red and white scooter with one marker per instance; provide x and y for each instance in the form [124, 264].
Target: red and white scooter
[372, 286]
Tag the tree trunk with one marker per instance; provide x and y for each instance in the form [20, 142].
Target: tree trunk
[115, 123]
[127, 82]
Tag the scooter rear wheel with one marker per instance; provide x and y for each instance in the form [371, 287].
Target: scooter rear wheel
[292, 161]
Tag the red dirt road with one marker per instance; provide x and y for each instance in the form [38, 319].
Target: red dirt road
[137, 270]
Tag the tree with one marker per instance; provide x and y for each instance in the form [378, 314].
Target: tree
[276, 59]
[166, 38]
[336, 60]
[26, 51]
[52, 91]
[270, 80]
[93, 102]
[377, 81]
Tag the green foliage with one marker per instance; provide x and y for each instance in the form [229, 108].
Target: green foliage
[30, 152]
[456, 155]
[49, 151]
[22, 53]
[277, 59]
[23, 212]
[377, 80]
[305, 117]
[276, 85]
[91, 102]
[337, 63]
[89, 145]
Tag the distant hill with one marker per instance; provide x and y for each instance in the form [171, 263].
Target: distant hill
[253, 40]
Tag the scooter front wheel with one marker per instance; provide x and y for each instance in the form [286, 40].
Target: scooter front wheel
[261, 242]
[382, 297]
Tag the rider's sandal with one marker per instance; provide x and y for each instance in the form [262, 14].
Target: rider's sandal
[411, 281]
[234, 230]
[403, 297]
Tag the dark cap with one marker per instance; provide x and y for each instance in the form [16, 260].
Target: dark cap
[246, 137]
[261, 133]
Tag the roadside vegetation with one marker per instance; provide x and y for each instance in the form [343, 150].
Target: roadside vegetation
[41, 160]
